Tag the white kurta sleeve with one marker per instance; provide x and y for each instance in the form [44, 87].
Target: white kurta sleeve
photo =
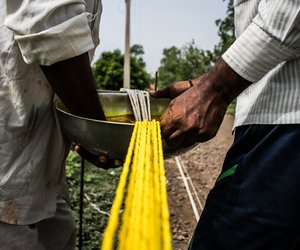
[272, 37]
[49, 31]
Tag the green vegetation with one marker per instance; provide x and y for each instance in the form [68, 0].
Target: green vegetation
[190, 60]
[99, 191]
[180, 64]
[231, 108]
[108, 70]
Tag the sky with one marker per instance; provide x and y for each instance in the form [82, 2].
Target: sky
[160, 24]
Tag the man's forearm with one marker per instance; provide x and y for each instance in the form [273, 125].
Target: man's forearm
[223, 81]
[72, 80]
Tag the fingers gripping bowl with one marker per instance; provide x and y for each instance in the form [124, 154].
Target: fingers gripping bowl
[111, 137]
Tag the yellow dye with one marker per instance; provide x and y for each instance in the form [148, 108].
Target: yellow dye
[145, 219]
[127, 118]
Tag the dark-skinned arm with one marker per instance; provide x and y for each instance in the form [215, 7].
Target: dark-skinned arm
[196, 114]
[73, 82]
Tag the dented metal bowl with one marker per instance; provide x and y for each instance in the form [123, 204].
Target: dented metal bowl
[113, 136]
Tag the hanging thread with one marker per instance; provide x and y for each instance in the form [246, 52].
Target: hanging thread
[145, 219]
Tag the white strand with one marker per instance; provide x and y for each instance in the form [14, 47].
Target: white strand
[94, 206]
[140, 103]
[192, 185]
[178, 163]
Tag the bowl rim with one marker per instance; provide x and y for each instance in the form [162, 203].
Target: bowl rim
[89, 119]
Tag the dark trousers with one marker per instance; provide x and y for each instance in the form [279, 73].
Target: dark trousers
[255, 203]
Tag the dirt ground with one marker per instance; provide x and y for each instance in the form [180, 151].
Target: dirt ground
[203, 164]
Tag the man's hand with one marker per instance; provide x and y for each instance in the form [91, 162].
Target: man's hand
[100, 161]
[173, 90]
[196, 114]
[72, 80]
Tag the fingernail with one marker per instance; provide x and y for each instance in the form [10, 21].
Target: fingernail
[103, 159]
[118, 163]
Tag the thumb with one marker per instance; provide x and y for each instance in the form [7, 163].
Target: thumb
[161, 93]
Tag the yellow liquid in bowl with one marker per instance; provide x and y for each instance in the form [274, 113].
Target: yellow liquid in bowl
[127, 118]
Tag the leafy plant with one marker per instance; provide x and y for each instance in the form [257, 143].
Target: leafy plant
[99, 191]
[108, 70]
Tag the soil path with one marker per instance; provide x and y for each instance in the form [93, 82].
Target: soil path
[203, 165]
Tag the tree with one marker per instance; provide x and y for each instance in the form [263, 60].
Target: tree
[195, 61]
[226, 32]
[108, 70]
[184, 63]
[168, 71]
[139, 78]
[191, 61]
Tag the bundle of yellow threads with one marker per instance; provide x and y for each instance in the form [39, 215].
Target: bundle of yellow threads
[145, 219]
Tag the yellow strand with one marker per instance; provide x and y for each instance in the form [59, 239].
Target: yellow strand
[127, 214]
[166, 234]
[145, 219]
[157, 198]
[108, 239]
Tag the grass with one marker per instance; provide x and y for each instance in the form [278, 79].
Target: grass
[99, 191]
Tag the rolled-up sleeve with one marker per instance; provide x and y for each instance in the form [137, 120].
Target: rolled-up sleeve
[272, 37]
[49, 31]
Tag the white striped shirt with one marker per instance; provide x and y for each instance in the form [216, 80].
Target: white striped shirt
[267, 52]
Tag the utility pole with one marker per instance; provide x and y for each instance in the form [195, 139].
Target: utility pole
[126, 76]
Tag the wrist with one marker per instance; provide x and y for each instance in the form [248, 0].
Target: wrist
[225, 81]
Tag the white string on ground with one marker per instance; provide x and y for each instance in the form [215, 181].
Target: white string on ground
[193, 186]
[94, 206]
[194, 207]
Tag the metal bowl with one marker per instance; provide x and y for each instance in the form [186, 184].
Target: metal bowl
[113, 136]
